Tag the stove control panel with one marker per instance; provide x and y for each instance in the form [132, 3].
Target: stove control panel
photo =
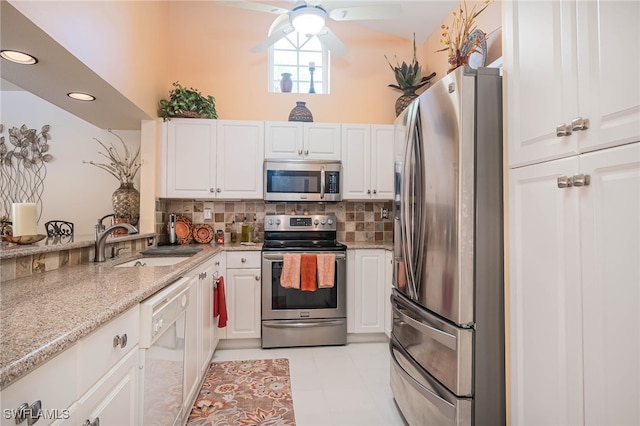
[300, 223]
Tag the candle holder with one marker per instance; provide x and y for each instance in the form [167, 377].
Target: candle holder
[312, 68]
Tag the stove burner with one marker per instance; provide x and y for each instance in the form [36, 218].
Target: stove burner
[300, 233]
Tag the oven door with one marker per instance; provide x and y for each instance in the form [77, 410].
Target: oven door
[288, 303]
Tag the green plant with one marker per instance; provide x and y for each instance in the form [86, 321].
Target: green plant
[187, 102]
[409, 76]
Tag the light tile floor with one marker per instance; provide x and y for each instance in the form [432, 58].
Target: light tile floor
[334, 385]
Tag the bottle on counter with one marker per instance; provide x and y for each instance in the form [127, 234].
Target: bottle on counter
[234, 231]
[255, 235]
[245, 231]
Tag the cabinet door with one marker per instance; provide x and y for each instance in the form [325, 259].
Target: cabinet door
[321, 141]
[369, 291]
[219, 270]
[114, 400]
[239, 159]
[191, 367]
[545, 296]
[388, 286]
[189, 158]
[242, 288]
[356, 161]
[541, 85]
[283, 140]
[609, 60]
[382, 154]
[205, 317]
[610, 209]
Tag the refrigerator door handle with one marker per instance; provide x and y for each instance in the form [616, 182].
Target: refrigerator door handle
[443, 405]
[449, 340]
[407, 215]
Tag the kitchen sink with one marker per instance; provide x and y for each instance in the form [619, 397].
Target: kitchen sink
[153, 261]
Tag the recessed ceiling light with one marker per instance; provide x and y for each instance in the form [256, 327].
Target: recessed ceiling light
[79, 96]
[18, 57]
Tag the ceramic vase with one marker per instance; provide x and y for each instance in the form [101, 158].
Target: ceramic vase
[403, 101]
[126, 203]
[300, 113]
[286, 84]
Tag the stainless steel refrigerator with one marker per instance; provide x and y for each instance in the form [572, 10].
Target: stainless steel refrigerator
[447, 343]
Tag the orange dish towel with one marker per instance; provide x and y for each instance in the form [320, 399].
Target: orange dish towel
[290, 276]
[326, 270]
[308, 263]
[220, 304]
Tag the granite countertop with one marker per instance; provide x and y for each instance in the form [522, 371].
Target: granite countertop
[386, 245]
[43, 314]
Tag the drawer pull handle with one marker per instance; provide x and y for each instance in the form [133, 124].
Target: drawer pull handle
[579, 123]
[563, 130]
[565, 182]
[120, 340]
[581, 180]
[35, 412]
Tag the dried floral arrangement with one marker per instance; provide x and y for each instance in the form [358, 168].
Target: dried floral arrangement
[409, 76]
[455, 38]
[122, 167]
[23, 166]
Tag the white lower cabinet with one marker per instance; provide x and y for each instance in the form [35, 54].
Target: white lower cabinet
[366, 290]
[574, 289]
[243, 292]
[200, 329]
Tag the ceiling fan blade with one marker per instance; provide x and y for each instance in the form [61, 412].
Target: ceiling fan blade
[275, 35]
[332, 42]
[260, 7]
[372, 11]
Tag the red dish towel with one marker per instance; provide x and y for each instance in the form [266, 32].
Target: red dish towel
[220, 304]
[308, 264]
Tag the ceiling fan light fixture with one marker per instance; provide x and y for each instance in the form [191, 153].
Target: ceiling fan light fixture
[308, 19]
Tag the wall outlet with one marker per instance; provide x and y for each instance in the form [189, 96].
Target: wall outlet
[384, 213]
[207, 214]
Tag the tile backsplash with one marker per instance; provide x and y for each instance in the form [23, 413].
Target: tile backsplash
[357, 220]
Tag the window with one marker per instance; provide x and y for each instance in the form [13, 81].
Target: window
[293, 54]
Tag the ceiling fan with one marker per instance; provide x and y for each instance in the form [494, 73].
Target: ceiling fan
[310, 17]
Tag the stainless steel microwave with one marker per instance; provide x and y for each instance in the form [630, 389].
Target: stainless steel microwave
[298, 180]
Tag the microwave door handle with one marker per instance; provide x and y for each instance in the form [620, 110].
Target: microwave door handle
[322, 182]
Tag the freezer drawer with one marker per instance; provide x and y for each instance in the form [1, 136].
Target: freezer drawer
[422, 400]
[443, 350]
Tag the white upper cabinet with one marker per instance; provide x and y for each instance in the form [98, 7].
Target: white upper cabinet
[302, 141]
[239, 159]
[207, 159]
[367, 160]
[560, 74]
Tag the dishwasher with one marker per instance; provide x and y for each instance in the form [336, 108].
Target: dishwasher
[162, 349]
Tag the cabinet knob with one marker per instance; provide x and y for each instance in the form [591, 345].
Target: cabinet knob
[211, 190]
[579, 123]
[306, 152]
[563, 130]
[120, 340]
[217, 263]
[257, 277]
[243, 260]
[22, 412]
[86, 423]
[368, 191]
[96, 422]
[581, 180]
[565, 182]
[375, 191]
[218, 190]
[299, 152]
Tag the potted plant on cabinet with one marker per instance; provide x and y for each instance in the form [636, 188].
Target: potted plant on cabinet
[187, 103]
[409, 78]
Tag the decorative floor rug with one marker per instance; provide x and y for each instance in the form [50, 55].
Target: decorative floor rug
[256, 392]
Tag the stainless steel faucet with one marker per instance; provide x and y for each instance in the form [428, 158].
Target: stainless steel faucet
[99, 227]
[101, 239]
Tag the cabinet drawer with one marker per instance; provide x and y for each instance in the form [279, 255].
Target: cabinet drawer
[243, 259]
[53, 384]
[97, 353]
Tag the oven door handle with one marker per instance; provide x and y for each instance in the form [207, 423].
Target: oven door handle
[339, 256]
[307, 324]
[322, 182]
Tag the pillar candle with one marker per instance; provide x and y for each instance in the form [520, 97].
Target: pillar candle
[24, 219]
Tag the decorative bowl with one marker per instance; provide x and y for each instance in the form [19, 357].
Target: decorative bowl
[24, 239]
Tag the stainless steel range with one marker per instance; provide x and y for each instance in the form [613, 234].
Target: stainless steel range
[292, 316]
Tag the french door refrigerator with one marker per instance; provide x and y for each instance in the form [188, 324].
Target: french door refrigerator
[447, 342]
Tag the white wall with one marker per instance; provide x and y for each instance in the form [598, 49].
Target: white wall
[73, 191]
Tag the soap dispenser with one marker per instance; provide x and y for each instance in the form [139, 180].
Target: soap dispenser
[173, 240]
